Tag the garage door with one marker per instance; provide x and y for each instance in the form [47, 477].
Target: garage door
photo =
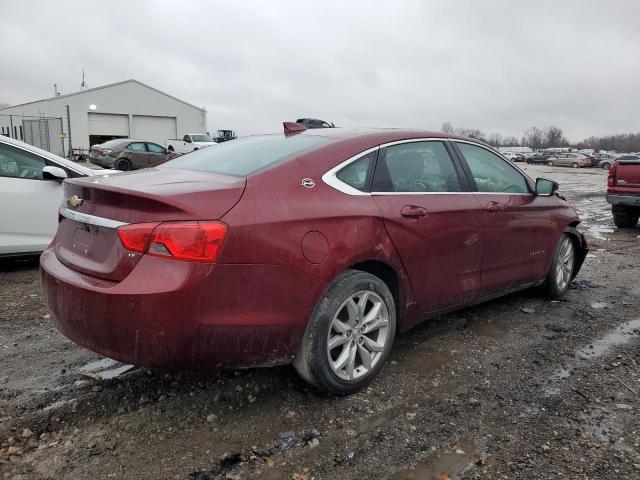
[108, 124]
[154, 129]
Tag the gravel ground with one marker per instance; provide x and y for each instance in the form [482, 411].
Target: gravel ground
[520, 387]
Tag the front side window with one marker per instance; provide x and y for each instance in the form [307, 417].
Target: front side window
[491, 173]
[201, 138]
[17, 163]
[137, 147]
[186, 138]
[356, 174]
[423, 167]
[155, 148]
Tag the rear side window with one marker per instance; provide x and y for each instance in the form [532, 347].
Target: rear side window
[357, 173]
[422, 167]
[490, 172]
[137, 147]
[244, 156]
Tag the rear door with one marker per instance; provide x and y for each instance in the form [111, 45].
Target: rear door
[432, 220]
[517, 225]
[28, 203]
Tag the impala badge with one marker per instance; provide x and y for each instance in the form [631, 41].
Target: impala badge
[75, 201]
[308, 183]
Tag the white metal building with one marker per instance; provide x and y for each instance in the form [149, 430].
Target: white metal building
[128, 109]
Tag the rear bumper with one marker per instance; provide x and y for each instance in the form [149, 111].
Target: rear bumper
[623, 200]
[176, 315]
[102, 161]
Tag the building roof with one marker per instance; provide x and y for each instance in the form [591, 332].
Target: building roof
[131, 80]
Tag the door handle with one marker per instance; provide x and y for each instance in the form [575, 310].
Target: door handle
[495, 207]
[413, 211]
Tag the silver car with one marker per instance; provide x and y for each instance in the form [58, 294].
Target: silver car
[575, 160]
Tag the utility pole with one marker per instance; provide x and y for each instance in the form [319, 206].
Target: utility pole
[11, 123]
[69, 131]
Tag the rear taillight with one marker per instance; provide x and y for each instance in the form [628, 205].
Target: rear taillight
[135, 237]
[191, 241]
[611, 177]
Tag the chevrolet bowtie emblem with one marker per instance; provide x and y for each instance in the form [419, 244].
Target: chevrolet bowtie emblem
[75, 201]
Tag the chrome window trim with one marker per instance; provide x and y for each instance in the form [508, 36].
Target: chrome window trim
[331, 178]
[378, 194]
[89, 219]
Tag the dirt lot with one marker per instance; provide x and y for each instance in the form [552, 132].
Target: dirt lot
[521, 387]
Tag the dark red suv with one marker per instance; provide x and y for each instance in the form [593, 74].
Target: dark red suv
[315, 247]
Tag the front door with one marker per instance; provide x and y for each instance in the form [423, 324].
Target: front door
[517, 224]
[432, 220]
[28, 203]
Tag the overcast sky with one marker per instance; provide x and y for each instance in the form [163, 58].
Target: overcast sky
[500, 66]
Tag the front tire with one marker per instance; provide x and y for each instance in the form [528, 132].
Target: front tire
[550, 164]
[625, 217]
[561, 271]
[606, 166]
[575, 165]
[350, 334]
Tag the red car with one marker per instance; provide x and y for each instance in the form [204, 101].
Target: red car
[313, 248]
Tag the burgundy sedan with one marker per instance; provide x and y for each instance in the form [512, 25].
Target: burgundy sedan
[314, 248]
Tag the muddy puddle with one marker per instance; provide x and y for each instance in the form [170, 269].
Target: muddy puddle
[600, 347]
[620, 336]
[447, 463]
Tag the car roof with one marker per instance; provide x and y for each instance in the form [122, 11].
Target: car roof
[48, 155]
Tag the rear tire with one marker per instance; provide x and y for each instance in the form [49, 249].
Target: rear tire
[625, 217]
[123, 164]
[561, 272]
[575, 165]
[350, 334]
[606, 166]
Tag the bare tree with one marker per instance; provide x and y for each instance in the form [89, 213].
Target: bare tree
[553, 137]
[447, 127]
[495, 140]
[510, 142]
[533, 138]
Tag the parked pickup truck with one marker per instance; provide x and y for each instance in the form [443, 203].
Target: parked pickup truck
[623, 190]
[189, 143]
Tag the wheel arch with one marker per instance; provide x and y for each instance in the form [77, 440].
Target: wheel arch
[580, 244]
[391, 278]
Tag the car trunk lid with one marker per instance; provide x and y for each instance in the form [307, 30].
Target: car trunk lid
[87, 238]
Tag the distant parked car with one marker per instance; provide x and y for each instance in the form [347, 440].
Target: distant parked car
[541, 156]
[314, 123]
[623, 190]
[127, 154]
[605, 160]
[30, 195]
[189, 143]
[575, 160]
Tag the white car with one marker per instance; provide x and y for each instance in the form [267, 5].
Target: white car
[30, 195]
[189, 143]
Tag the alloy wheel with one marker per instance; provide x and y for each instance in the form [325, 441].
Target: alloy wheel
[564, 265]
[358, 335]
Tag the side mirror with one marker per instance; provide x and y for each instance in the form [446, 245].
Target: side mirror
[54, 173]
[546, 188]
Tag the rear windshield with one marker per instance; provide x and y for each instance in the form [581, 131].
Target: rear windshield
[113, 143]
[246, 155]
